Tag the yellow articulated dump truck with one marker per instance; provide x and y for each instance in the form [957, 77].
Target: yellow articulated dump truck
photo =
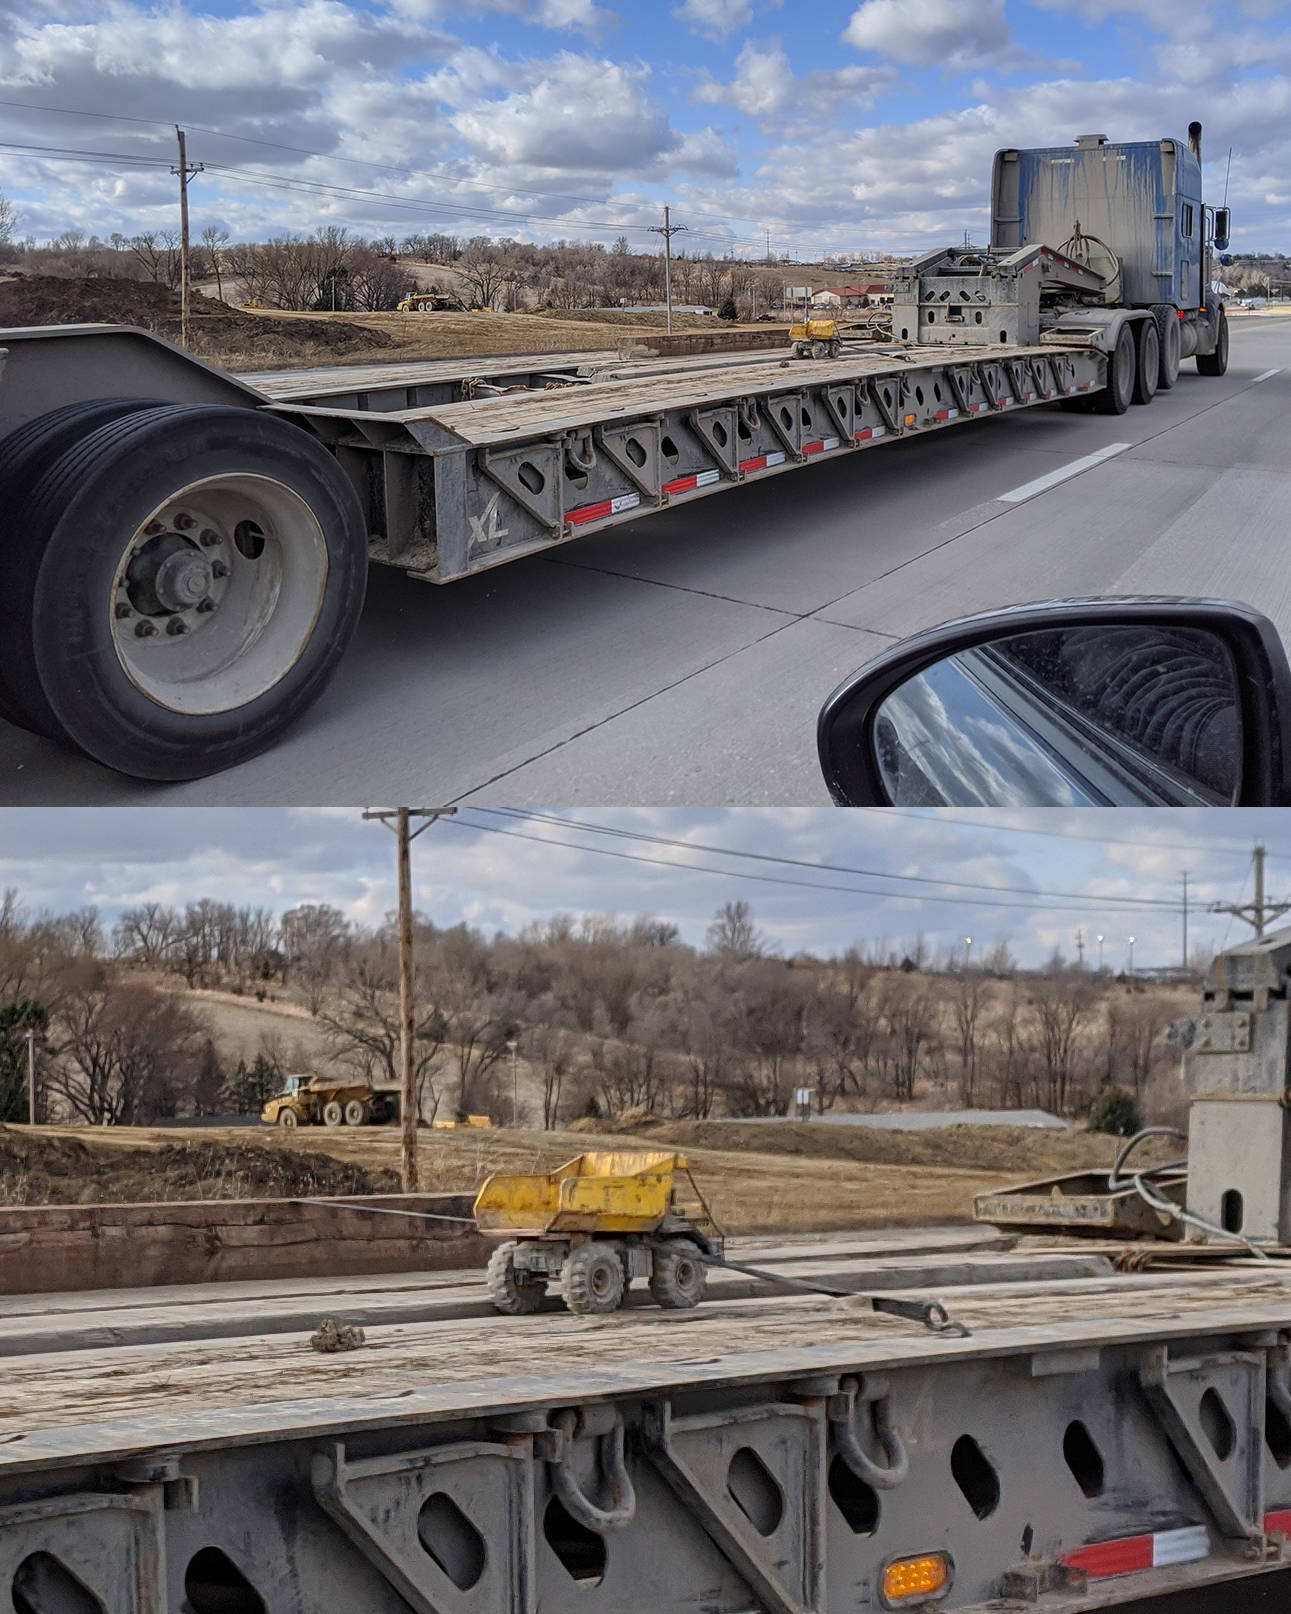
[310, 1100]
[592, 1226]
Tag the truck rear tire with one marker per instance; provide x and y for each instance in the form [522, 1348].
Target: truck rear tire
[1217, 362]
[591, 1279]
[182, 584]
[1147, 361]
[514, 1293]
[1122, 366]
[679, 1276]
[356, 1113]
[333, 1114]
[27, 453]
[1166, 316]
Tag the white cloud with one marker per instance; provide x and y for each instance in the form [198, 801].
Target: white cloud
[715, 19]
[765, 87]
[954, 34]
[582, 114]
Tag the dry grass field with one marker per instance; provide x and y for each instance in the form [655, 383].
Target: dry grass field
[783, 1178]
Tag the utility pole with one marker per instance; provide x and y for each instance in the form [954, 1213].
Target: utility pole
[667, 230]
[1185, 921]
[31, 1075]
[1100, 954]
[399, 819]
[1080, 948]
[1257, 913]
[185, 262]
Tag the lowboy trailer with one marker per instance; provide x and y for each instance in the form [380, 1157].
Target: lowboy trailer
[186, 552]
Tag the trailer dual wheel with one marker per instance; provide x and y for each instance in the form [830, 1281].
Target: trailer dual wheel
[356, 1113]
[591, 1279]
[1122, 366]
[333, 1113]
[288, 1118]
[1217, 362]
[512, 1291]
[1147, 361]
[679, 1275]
[181, 583]
[1166, 316]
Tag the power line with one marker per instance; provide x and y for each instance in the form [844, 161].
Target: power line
[619, 832]
[1156, 845]
[358, 162]
[772, 879]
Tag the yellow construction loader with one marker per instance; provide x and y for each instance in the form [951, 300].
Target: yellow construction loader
[593, 1225]
[310, 1100]
[816, 339]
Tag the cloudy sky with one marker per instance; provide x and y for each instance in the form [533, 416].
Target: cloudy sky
[833, 126]
[1047, 874]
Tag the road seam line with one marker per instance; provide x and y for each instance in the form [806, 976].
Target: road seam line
[1064, 473]
[1267, 376]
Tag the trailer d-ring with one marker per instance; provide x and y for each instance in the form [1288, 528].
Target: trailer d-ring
[842, 1418]
[580, 1507]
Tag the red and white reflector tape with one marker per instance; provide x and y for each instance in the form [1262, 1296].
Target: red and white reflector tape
[822, 447]
[1106, 1559]
[1005, 402]
[978, 407]
[1279, 1519]
[607, 507]
[869, 433]
[684, 484]
[762, 462]
[947, 414]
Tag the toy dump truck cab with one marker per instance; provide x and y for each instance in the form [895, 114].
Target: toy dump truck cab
[593, 1225]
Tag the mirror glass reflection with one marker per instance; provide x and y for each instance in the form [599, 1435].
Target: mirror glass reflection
[1088, 716]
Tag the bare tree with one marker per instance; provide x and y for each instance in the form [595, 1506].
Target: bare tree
[1062, 1002]
[8, 228]
[363, 1023]
[214, 239]
[314, 938]
[733, 934]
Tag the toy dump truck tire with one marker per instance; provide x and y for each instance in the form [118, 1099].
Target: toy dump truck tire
[515, 1293]
[1166, 316]
[288, 1117]
[679, 1275]
[182, 582]
[1217, 362]
[1147, 361]
[333, 1113]
[591, 1279]
[357, 1113]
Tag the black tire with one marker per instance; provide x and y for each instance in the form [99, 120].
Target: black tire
[288, 1118]
[679, 1276]
[25, 455]
[591, 1280]
[61, 649]
[516, 1294]
[333, 1113]
[1114, 398]
[1166, 316]
[1217, 362]
[1147, 361]
[357, 1113]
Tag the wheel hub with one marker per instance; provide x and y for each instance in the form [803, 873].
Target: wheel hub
[176, 570]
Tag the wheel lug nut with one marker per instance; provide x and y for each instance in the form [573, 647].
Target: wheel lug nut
[183, 522]
[209, 538]
[152, 529]
[203, 606]
[144, 630]
[121, 611]
[219, 569]
[176, 626]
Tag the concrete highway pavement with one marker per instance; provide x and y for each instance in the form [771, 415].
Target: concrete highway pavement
[682, 659]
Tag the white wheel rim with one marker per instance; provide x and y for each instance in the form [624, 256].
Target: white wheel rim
[218, 593]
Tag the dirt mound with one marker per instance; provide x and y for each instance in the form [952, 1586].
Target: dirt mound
[36, 1170]
[219, 331]
[621, 316]
[1013, 1151]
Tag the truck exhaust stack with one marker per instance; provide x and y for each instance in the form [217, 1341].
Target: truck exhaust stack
[1194, 139]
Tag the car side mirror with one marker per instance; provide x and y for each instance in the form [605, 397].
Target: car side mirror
[1222, 218]
[1148, 702]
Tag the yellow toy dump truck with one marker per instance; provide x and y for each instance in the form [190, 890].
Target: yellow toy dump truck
[593, 1225]
[321, 1100]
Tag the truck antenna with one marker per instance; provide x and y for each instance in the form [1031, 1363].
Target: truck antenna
[1227, 171]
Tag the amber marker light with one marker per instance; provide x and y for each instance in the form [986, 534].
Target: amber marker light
[905, 1579]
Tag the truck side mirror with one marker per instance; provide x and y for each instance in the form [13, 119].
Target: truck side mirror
[1222, 218]
[1151, 702]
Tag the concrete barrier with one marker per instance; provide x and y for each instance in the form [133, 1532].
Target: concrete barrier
[686, 342]
[50, 1248]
